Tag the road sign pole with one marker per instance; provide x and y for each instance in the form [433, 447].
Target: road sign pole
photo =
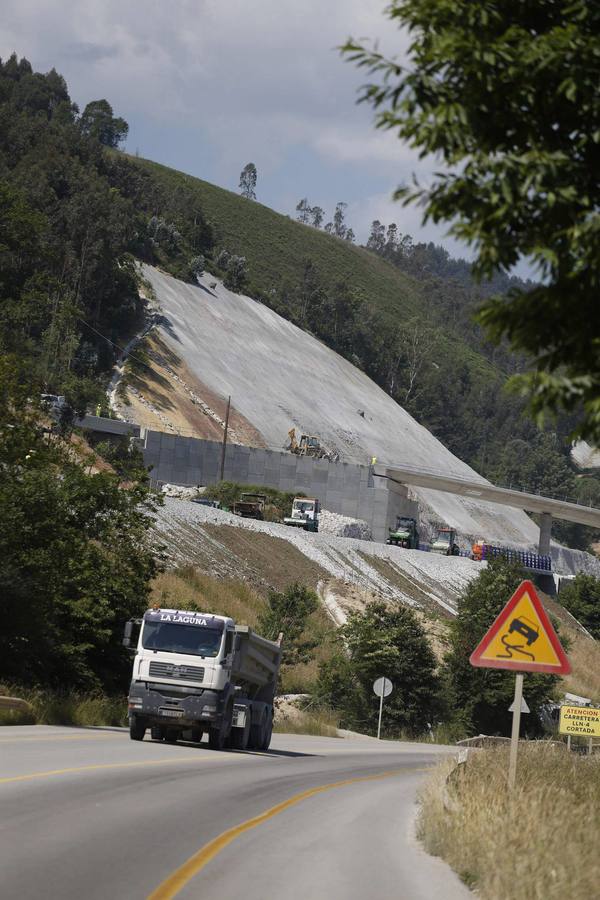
[514, 738]
[380, 712]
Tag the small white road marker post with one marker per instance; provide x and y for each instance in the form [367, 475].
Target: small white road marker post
[516, 724]
[382, 687]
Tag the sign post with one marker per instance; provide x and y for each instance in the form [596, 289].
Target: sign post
[521, 639]
[382, 687]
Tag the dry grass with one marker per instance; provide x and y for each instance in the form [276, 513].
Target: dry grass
[584, 655]
[538, 843]
[225, 597]
[63, 708]
[180, 588]
[323, 723]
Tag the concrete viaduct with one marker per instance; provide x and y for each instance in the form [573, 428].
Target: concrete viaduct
[547, 507]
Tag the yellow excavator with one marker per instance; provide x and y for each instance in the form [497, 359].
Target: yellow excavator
[308, 445]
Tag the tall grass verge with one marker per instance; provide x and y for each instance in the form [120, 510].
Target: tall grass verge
[323, 723]
[538, 842]
[63, 708]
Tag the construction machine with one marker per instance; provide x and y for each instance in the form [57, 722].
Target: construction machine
[445, 543]
[405, 534]
[250, 506]
[308, 445]
[305, 514]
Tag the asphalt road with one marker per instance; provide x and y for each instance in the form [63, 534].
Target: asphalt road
[89, 813]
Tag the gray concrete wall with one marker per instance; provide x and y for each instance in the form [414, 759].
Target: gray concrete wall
[345, 488]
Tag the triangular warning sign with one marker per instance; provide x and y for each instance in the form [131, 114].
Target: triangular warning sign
[522, 638]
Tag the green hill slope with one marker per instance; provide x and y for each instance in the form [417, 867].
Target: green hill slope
[276, 247]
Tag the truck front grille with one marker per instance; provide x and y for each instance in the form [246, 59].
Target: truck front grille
[170, 670]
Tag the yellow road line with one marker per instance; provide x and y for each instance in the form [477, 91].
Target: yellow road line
[121, 765]
[61, 737]
[172, 885]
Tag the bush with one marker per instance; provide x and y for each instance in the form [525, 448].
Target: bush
[388, 642]
[582, 598]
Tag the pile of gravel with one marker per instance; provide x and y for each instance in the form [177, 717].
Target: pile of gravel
[179, 491]
[343, 526]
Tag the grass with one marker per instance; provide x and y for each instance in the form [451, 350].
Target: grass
[584, 655]
[50, 707]
[539, 842]
[180, 588]
[184, 587]
[324, 723]
[276, 248]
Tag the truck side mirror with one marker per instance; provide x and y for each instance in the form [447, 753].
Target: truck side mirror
[127, 633]
[129, 638]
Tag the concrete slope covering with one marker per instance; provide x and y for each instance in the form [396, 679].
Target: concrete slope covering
[279, 376]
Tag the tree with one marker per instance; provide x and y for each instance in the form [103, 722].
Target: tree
[247, 184]
[303, 209]
[582, 598]
[236, 273]
[76, 561]
[339, 228]
[287, 614]
[382, 641]
[480, 697]
[506, 96]
[97, 121]
[349, 236]
[197, 264]
[317, 214]
[376, 241]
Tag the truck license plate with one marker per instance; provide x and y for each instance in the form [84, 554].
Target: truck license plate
[172, 713]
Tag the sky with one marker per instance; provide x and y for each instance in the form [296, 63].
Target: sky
[210, 85]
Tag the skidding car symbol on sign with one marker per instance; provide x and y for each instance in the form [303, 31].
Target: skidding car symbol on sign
[522, 638]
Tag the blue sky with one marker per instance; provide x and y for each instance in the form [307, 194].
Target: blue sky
[209, 85]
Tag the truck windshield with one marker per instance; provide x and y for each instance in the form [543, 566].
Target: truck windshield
[181, 638]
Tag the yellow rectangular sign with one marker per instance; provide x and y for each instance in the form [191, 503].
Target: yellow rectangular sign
[584, 720]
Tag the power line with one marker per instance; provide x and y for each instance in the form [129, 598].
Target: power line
[123, 350]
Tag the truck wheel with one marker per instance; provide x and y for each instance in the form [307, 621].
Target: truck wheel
[137, 729]
[218, 737]
[268, 731]
[157, 732]
[171, 736]
[257, 734]
[241, 736]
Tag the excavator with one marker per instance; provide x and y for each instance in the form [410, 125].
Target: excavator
[308, 445]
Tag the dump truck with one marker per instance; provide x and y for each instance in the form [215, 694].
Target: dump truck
[405, 534]
[305, 514]
[196, 672]
[250, 506]
[445, 543]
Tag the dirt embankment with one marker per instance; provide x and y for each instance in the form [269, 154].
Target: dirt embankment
[159, 391]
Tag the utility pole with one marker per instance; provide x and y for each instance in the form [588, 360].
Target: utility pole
[225, 438]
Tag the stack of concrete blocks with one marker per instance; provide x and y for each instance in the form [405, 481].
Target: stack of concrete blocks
[345, 488]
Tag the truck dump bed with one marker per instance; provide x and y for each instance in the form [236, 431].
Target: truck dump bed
[256, 663]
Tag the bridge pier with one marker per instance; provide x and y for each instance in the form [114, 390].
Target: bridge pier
[545, 582]
[545, 532]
